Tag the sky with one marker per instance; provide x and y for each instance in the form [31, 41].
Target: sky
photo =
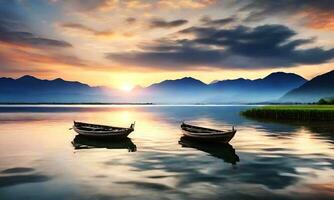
[123, 43]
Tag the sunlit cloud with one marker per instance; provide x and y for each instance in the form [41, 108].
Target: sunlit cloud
[137, 4]
[181, 4]
[86, 29]
[108, 5]
[109, 34]
[87, 6]
[320, 20]
[313, 14]
[27, 56]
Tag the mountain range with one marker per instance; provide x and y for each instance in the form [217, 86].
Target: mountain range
[190, 90]
[32, 90]
[321, 86]
[276, 87]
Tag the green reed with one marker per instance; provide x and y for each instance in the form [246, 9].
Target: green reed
[293, 112]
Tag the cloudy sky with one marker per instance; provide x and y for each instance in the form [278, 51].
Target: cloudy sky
[138, 42]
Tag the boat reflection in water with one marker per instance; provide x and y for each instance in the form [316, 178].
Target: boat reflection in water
[222, 151]
[82, 142]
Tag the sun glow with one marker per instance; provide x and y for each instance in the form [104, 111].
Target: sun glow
[127, 87]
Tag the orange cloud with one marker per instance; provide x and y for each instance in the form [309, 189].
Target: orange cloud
[327, 188]
[320, 20]
[87, 6]
[108, 5]
[104, 34]
[180, 4]
[16, 57]
[83, 28]
[136, 4]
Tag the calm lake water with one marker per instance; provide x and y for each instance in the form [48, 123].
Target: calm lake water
[265, 160]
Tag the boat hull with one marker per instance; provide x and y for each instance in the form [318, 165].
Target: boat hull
[105, 132]
[225, 137]
[109, 135]
[207, 134]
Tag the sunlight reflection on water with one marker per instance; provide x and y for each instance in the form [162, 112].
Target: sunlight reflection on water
[285, 161]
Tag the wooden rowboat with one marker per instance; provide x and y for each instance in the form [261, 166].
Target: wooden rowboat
[102, 131]
[207, 134]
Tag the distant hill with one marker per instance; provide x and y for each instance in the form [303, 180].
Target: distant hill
[29, 89]
[269, 88]
[178, 84]
[319, 87]
[184, 90]
[30, 82]
[190, 90]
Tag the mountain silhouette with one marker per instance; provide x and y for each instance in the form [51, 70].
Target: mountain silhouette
[29, 89]
[268, 88]
[178, 84]
[184, 90]
[319, 87]
[190, 90]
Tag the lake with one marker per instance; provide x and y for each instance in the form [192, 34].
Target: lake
[40, 158]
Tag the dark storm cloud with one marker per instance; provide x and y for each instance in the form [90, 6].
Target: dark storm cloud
[266, 46]
[263, 8]
[161, 23]
[184, 57]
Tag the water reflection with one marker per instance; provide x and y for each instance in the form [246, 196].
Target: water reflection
[223, 151]
[82, 142]
[21, 175]
[278, 160]
[292, 126]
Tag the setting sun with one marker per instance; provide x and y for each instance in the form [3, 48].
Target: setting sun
[127, 87]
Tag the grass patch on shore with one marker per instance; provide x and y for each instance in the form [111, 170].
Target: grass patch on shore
[293, 112]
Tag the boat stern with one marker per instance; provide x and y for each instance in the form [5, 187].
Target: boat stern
[132, 126]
